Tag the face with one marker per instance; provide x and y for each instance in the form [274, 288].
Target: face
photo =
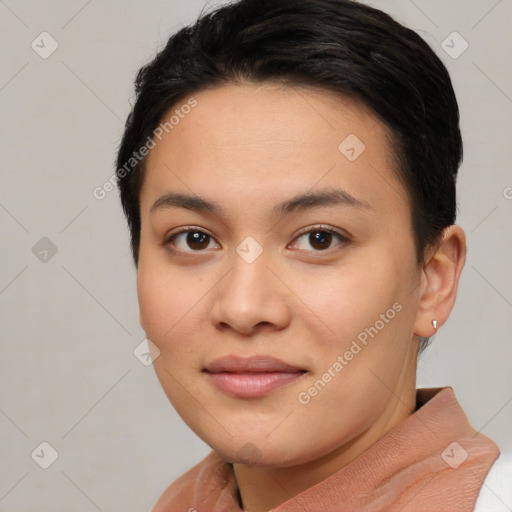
[301, 249]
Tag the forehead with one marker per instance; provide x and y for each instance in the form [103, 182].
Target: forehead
[253, 143]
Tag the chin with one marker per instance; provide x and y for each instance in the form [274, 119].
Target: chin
[261, 453]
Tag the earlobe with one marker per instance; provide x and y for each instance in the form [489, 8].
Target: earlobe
[439, 282]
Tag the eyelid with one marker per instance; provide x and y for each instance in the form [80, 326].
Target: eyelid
[343, 237]
[186, 229]
[168, 240]
[322, 227]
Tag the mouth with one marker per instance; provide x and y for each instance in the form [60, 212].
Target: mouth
[251, 377]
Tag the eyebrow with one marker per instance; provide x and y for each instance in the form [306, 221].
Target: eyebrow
[300, 202]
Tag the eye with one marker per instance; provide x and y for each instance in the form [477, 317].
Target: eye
[190, 240]
[320, 238]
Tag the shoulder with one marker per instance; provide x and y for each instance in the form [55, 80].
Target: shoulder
[181, 492]
[496, 491]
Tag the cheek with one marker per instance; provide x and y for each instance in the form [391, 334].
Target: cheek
[342, 303]
[168, 300]
[153, 296]
[170, 312]
[362, 312]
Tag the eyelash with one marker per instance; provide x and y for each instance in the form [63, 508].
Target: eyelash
[319, 228]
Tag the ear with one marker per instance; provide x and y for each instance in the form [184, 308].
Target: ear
[439, 281]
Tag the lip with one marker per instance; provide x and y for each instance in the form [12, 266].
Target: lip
[251, 364]
[250, 377]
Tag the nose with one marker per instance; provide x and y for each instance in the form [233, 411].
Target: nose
[250, 298]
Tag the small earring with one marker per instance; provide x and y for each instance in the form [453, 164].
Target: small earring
[434, 323]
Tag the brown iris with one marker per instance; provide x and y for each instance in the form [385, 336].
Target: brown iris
[197, 240]
[320, 239]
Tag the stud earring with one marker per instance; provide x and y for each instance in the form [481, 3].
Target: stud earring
[434, 323]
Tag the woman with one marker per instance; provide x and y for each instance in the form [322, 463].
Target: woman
[288, 175]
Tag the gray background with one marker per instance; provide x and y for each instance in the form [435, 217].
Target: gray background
[69, 321]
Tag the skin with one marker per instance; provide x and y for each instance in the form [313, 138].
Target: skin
[248, 147]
